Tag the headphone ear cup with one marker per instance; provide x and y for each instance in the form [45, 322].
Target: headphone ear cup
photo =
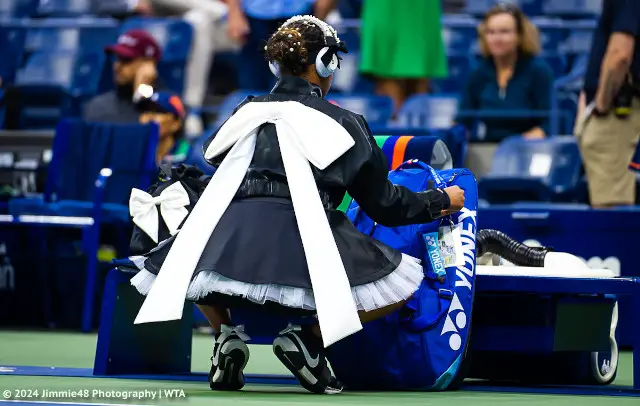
[274, 68]
[323, 70]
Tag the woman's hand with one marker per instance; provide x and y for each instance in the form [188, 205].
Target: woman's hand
[535, 133]
[456, 196]
[533, 136]
[322, 8]
[144, 8]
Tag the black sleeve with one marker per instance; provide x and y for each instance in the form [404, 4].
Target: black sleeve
[626, 17]
[388, 204]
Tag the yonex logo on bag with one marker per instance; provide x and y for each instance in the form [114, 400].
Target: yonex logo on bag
[464, 280]
[435, 257]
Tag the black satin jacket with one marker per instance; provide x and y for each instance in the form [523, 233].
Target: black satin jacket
[362, 171]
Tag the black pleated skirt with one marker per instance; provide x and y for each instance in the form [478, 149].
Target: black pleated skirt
[256, 255]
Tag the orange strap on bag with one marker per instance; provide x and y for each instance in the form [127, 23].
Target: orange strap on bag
[399, 150]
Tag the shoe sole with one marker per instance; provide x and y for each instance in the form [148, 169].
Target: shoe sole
[285, 350]
[233, 358]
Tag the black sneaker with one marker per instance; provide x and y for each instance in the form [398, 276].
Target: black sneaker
[303, 354]
[230, 356]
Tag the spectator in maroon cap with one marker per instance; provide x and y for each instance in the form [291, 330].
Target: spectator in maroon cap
[136, 56]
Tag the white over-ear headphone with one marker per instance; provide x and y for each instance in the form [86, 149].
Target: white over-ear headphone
[327, 61]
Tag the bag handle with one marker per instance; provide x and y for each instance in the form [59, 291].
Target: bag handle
[437, 179]
[419, 324]
[413, 163]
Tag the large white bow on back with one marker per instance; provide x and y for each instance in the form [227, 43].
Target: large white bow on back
[305, 136]
[172, 201]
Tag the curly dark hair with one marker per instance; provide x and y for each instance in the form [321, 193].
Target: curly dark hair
[291, 46]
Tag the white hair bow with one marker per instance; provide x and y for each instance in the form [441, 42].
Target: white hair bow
[172, 202]
[306, 137]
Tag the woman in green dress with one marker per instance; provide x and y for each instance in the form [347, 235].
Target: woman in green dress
[402, 46]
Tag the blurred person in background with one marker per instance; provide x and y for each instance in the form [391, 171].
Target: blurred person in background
[168, 112]
[251, 23]
[136, 56]
[509, 77]
[402, 46]
[607, 129]
[208, 19]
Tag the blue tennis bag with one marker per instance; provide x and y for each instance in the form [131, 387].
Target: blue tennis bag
[422, 346]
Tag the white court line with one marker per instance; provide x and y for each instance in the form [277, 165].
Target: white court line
[33, 219]
[44, 402]
[79, 221]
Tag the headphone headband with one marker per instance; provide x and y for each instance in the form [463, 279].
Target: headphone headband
[326, 58]
[330, 35]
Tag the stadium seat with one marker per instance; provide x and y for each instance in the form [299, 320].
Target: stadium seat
[572, 8]
[553, 32]
[565, 97]
[567, 109]
[533, 170]
[428, 111]
[460, 66]
[578, 40]
[557, 62]
[93, 170]
[80, 151]
[531, 7]
[53, 85]
[17, 8]
[459, 33]
[12, 37]
[84, 34]
[377, 110]
[174, 37]
[64, 8]
[478, 7]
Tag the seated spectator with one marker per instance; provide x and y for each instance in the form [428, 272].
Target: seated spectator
[136, 56]
[509, 77]
[209, 23]
[167, 110]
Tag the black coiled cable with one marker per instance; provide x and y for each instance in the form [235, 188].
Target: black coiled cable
[497, 242]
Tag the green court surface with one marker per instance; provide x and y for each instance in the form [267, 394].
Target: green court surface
[77, 350]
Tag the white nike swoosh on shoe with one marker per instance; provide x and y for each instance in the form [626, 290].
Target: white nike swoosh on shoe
[215, 358]
[313, 362]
